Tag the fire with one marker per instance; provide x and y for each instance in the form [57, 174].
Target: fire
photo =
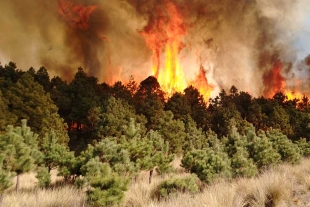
[291, 95]
[273, 80]
[164, 32]
[76, 15]
[202, 84]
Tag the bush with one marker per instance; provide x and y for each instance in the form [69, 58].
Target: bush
[44, 177]
[289, 151]
[167, 188]
[207, 164]
[304, 147]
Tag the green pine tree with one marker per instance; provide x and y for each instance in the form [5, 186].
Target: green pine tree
[261, 149]
[289, 151]
[106, 187]
[19, 155]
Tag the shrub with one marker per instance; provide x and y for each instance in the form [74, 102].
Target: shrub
[167, 188]
[289, 151]
[207, 164]
[304, 147]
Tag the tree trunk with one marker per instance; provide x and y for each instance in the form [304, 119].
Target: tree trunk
[151, 175]
[17, 182]
[1, 199]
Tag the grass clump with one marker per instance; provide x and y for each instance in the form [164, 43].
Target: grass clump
[167, 188]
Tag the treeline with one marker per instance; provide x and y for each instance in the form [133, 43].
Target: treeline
[102, 136]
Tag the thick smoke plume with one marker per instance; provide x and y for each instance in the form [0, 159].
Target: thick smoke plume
[256, 45]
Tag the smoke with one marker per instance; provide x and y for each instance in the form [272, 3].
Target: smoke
[238, 43]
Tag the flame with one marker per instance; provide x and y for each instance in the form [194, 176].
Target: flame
[273, 80]
[291, 95]
[76, 15]
[202, 84]
[164, 32]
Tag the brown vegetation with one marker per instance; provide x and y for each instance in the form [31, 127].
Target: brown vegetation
[284, 185]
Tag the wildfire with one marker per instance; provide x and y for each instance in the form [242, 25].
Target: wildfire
[76, 15]
[273, 80]
[201, 83]
[291, 95]
[164, 32]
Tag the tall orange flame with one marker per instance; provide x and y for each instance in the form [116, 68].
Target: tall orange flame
[273, 80]
[202, 84]
[164, 32]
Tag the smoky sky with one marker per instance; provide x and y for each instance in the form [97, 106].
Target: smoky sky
[235, 41]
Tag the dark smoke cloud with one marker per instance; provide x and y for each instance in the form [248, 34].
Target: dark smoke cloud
[235, 41]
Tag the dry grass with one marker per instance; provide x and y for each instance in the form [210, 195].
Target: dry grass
[31, 196]
[282, 186]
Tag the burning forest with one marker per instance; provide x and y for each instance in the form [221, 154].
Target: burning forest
[259, 46]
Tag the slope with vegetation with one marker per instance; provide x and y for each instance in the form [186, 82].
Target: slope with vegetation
[100, 138]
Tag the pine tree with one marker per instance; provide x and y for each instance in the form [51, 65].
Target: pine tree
[55, 155]
[108, 150]
[117, 115]
[195, 138]
[44, 177]
[160, 154]
[147, 153]
[173, 131]
[29, 101]
[19, 155]
[6, 117]
[261, 149]
[286, 148]
[6, 176]
[304, 147]
[236, 147]
[106, 187]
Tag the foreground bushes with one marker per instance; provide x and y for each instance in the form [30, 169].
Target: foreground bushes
[167, 188]
[242, 156]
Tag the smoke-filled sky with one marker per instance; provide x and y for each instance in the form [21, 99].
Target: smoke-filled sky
[260, 46]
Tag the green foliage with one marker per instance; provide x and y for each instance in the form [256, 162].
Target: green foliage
[304, 147]
[261, 149]
[6, 174]
[235, 146]
[195, 138]
[149, 152]
[286, 148]
[56, 155]
[207, 164]
[198, 108]
[20, 155]
[44, 177]
[149, 100]
[168, 188]
[107, 187]
[29, 101]
[179, 106]
[110, 151]
[6, 117]
[242, 165]
[173, 131]
[117, 115]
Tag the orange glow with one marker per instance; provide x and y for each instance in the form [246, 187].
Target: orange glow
[163, 35]
[171, 77]
[291, 95]
[77, 16]
[202, 84]
[273, 80]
